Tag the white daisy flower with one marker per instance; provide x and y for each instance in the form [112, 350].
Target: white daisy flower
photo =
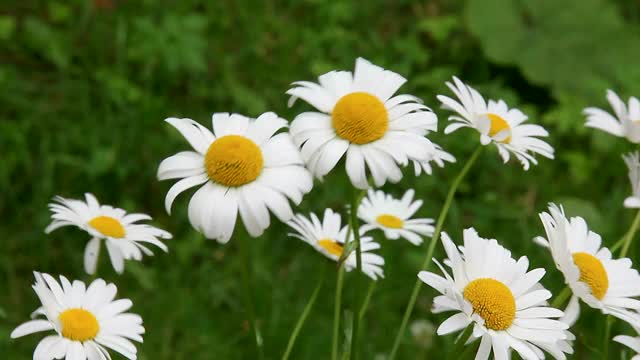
[244, 166]
[87, 321]
[329, 238]
[439, 156]
[393, 216]
[632, 342]
[496, 123]
[124, 237]
[502, 299]
[360, 117]
[633, 163]
[625, 123]
[594, 277]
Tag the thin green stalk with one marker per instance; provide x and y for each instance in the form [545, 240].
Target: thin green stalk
[303, 317]
[246, 279]
[355, 226]
[630, 235]
[561, 298]
[367, 299]
[431, 248]
[607, 334]
[458, 347]
[336, 314]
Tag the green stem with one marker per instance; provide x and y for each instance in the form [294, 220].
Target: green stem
[246, 279]
[458, 347]
[630, 235]
[561, 298]
[432, 245]
[367, 299]
[336, 314]
[355, 226]
[607, 334]
[303, 317]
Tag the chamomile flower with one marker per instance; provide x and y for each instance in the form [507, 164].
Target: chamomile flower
[328, 238]
[496, 124]
[625, 123]
[632, 342]
[243, 166]
[610, 285]
[439, 157]
[87, 321]
[393, 216]
[502, 299]
[633, 163]
[124, 237]
[360, 117]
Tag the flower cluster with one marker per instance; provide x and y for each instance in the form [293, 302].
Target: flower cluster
[249, 169]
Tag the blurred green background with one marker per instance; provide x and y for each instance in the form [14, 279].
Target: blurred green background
[86, 86]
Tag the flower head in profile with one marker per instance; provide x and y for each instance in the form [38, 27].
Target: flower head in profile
[124, 237]
[625, 123]
[633, 163]
[394, 216]
[632, 342]
[328, 238]
[87, 321]
[496, 124]
[501, 298]
[243, 166]
[360, 117]
[610, 285]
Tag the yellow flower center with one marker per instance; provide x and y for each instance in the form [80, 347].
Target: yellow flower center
[233, 160]
[79, 325]
[493, 301]
[390, 221]
[497, 125]
[108, 226]
[333, 247]
[360, 118]
[592, 273]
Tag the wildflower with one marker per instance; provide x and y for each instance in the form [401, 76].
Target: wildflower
[124, 237]
[625, 123]
[87, 320]
[496, 124]
[360, 117]
[243, 166]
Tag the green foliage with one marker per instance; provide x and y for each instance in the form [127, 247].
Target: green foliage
[86, 85]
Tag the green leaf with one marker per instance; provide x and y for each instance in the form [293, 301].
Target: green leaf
[576, 46]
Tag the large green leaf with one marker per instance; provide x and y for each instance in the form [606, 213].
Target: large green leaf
[580, 47]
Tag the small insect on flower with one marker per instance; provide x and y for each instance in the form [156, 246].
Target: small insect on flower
[502, 299]
[633, 163]
[87, 321]
[245, 167]
[123, 235]
[358, 116]
[329, 239]
[496, 124]
[632, 342]
[610, 285]
[393, 216]
[625, 123]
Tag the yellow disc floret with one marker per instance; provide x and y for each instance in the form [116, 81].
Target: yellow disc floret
[498, 124]
[108, 226]
[333, 247]
[390, 221]
[593, 273]
[78, 324]
[360, 118]
[233, 160]
[493, 301]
